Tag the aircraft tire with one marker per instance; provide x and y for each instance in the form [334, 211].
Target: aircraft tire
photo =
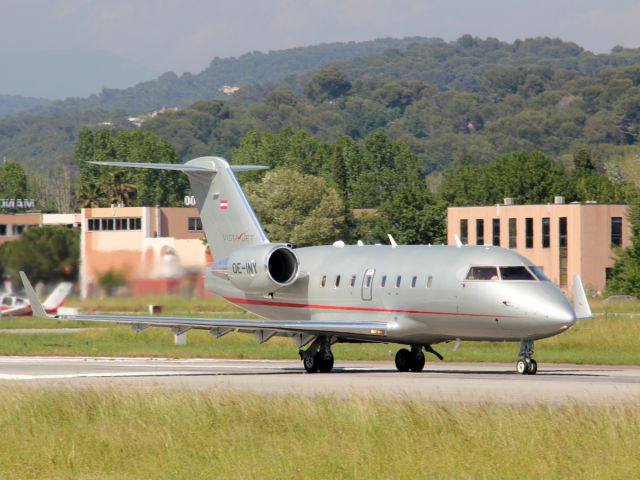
[417, 363]
[403, 360]
[522, 367]
[310, 363]
[325, 365]
[532, 367]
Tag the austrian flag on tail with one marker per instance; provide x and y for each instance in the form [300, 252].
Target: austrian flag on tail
[224, 205]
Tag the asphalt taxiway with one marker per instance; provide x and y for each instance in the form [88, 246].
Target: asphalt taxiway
[457, 382]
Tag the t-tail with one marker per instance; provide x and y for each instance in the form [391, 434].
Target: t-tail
[227, 218]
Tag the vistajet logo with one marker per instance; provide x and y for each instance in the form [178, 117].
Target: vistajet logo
[239, 237]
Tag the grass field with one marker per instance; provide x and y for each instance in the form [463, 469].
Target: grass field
[613, 338]
[116, 435]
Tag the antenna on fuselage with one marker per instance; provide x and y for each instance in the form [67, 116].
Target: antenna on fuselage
[458, 241]
[360, 243]
[392, 240]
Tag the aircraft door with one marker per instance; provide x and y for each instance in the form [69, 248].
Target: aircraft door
[367, 283]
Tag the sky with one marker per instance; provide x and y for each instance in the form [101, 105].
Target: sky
[149, 37]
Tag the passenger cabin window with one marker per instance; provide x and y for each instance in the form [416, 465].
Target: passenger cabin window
[323, 282]
[337, 281]
[353, 281]
[515, 273]
[368, 277]
[482, 273]
[413, 282]
[383, 282]
[398, 281]
[429, 281]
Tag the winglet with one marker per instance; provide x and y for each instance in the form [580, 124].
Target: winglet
[457, 239]
[36, 307]
[580, 303]
[392, 241]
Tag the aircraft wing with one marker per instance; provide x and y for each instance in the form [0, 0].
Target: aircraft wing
[302, 331]
[16, 311]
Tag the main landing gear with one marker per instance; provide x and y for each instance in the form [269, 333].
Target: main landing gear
[413, 360]
[318, 357]
[526, 365]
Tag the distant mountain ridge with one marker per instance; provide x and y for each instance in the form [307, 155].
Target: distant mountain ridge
[171, 90]
[10, 104]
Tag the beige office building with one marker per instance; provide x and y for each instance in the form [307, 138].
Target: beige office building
[564, 239]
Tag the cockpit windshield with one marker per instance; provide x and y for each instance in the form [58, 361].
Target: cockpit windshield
[482, 273]
[519, 272]
[539, 273]
[515, 273]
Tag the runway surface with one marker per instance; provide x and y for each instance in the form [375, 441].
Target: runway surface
[457, 382]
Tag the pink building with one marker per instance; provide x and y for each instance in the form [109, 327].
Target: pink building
[158, 249]
[563, 239]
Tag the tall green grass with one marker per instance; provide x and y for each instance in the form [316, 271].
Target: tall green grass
[104, 434]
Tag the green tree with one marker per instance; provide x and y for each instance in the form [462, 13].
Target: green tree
[329, 83]
[13, 181]
[47, 254]
[626, 269]
[102, 186]
[297, 208]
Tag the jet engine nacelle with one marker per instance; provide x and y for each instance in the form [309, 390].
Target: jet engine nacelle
[263, 268]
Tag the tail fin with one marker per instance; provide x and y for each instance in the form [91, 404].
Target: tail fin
[227, 218]
[57, 297]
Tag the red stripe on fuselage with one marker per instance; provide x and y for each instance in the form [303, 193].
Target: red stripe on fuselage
[248, 301]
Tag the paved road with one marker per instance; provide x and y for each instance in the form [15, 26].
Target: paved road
[477, 382]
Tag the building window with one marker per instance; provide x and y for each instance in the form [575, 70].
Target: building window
[135, 223]
[616, 231]
[562, 243]
[513, 233]
[496, 232]
[546, 232]
[195, 224]
[528, 230]
[608, 273]
[479, 231]
[464, 231]
[3, 230]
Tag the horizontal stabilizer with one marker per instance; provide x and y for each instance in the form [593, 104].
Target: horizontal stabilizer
[580, 302]
[180, 167]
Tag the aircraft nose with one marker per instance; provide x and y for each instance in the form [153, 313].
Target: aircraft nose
[560, 314]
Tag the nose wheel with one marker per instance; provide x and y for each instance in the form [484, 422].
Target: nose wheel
[526, 365]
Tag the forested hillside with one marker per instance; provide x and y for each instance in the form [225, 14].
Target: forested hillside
[16, 103]
[468, 100]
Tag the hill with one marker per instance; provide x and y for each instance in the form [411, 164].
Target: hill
[10, 104]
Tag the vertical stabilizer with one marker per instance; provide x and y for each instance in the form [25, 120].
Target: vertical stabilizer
[57, 297]
[227, 218]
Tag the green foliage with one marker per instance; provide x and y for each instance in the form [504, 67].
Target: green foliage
[413, 216]
[626, 269]
[46, 254]
[13, 181]
[103, 186]
[111, 280]
[297, 208]
[328, 84]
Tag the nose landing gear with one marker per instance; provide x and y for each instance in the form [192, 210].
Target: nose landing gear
[526, 365]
